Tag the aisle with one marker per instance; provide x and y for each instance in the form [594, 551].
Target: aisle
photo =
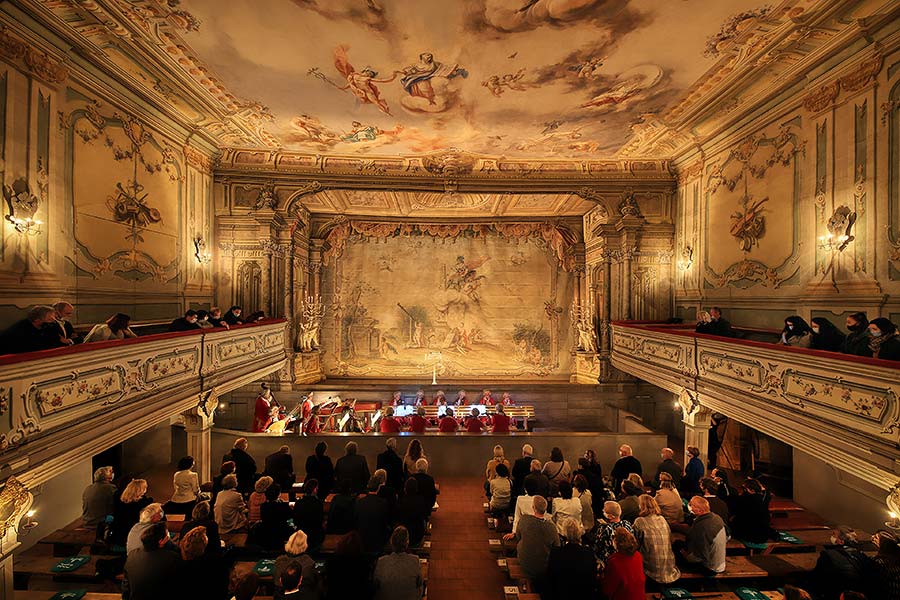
[461, 562]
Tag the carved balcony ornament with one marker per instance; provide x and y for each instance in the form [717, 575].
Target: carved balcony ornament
[22, 206]
[687, 402]
[201, 252]
[628, 206]
[840, 230]
[15, 503]
[822, 98]
[583, 323]
[687, 258]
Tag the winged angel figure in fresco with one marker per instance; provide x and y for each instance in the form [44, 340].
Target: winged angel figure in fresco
[360, 83]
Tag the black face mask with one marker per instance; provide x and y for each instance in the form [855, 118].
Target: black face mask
[857, 327]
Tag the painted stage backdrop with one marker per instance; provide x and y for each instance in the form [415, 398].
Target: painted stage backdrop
[471, 306]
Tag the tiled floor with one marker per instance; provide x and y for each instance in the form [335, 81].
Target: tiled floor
[461, 562]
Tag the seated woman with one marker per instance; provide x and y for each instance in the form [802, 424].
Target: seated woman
[654, 541]
[115, 328]
[230, 509]
[629, 503]
[825, 335]
[571, 567]
[704, 322]
[669, 500]
[884, 341]
[201, 516]
[127, 510]
[750, 517]
[796, 332]
[295, 554]
[501, 491]
[623, 577]
[187, 488]
[257, 498]
[565, 507]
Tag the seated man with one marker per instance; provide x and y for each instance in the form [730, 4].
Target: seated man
[460, 398]
[31, 333]
[486, 398]
[506, 400]
[388, 423]
[500, 421]
[397, 399]
[535, 536]
[706, 539]
[98, 499]
[186, 323]
[418, 422]
[448, 423]
[841, 566]
[420, 398]
[473, 423]
[440, 399]
[64, 312]
[150, 515]
[152, 568]
[215, 317]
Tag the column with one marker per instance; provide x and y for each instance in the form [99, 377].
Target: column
[198, 423]
[605, 306]
[626, 283]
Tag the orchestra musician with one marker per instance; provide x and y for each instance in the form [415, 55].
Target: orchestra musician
[420, 398]
[448, 423]
[396, 400]
[267, 410]
[310, 421]
[418, 422]
[460, 398]
[486, 398]
[506, 400]
[388, 423]
[501, 420]
[473, 423]
[440, 399]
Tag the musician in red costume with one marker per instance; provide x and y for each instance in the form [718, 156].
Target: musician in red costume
[396, 400]
[460, 398]
[388, 423]
[420, 398]
[486, 398]
[448, 423]
[266, 410]
[418, 422]
[440, 399]
[500, 421]
[473, 423]
[506, 400]
[310, 422]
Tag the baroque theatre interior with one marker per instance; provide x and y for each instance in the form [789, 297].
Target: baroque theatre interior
[513, 211]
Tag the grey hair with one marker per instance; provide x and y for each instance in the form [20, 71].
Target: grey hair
[103, 473]
[572, 529]
[39, 312]
[422, 465]
[391, 443]
[150, 511]
[611, 508]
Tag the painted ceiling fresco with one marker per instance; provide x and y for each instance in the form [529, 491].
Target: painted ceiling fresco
[551, 78]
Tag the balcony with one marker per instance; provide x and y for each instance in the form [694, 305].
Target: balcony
[63, 404]
[842, 409]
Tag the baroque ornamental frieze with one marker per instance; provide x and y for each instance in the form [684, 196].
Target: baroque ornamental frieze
[35, 61]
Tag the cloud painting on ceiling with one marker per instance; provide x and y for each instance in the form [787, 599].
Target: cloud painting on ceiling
[552, 78]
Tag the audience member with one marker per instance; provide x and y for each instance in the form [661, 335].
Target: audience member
[668, 465]
[884, 341]
[373, 518]
[392, 464]
[693, 472]
[215, 317]
[726, 492]
[710, 489]
[886, 580]
[230, 509]
[341, 515]
[623, 576]
[655, 543]
[203, 319]
[30, 334]
[386, 490]
[228, 468]
[233, 316]
[591, 470]
[500, 490]
[719, 325]
[427, 489]
[320, 468]
[388, 423]
[347, 570]
[498, 458]
[525, 505]
[150, 515]
[704, 322]
[629, 502]
[841, 566]
[411, 512]
[626, 465]
[187, 488]
[794, 593]
[500, 421]
[669, 500]
[309, 514]
[520, 469]
[98, 499]
[414, 452]
[448, 423]
[115, 328]
[796, 332]
[201, 516]
[473, 422]
[397, 575]
[571, 568]
[280, 467]
[557, 469]
[245, 466]
[67, 335]
[257, 498]
[705, 543]
[750, 517]
[353, 468]
[825, 335]
[566, 506]
[273, 529]
[201, 574]
[857, 341]
[586, 498]
[127, 510]
[186, 323]
[539, 482]
[290, 581]
[535, 536]
[295, 555]
[151, 569]
[246, 586]
[612, 521]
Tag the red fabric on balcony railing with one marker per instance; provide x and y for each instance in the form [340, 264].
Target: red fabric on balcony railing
[686, 331]
[10, 359]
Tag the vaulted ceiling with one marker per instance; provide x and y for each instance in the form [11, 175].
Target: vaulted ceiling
[517, 78]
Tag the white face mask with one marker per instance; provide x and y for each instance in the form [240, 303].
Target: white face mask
[815, 329]
[875, 333]
[790, 327]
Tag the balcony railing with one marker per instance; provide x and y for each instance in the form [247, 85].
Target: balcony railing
[64, 402]
[843, 409]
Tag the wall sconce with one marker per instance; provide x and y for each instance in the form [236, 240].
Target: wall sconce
[27, 523]
[26, 226]
[200, 252]
[687, 259]
[840, 230]
[831, 243]
[22, 206]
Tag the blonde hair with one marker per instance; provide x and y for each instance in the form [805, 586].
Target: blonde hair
[648, 506]
[665, 481]
[703, 316]
[262, 484]
[297, 544]
[134, 491]
[498, 451]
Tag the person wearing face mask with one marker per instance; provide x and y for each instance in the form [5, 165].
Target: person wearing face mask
[841, 566]
[884, 341]
[186, 323]
[233, 316]
[704, 322]
[857, 342]
[825, 336]
[796, 333]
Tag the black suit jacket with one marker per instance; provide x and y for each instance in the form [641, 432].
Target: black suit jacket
[354, 469]
[393, 464]
[426, 489]
[245, 469]
[373, 520]
[280, 467]
[520, 470]
[309, 516]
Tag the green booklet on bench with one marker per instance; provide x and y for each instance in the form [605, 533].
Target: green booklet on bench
[784, 536]
[69, 595]
[68, 565]
[680, 593]
[746, 593]
[265, 567]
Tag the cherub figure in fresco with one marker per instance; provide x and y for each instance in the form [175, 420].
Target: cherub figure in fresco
[314, 129]
[360, 83]
[497, 83]
[417, 78]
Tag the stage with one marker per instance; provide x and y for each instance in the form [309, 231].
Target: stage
[450, 454]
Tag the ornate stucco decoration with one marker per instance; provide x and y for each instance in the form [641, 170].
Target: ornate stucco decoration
[198, 160]
[267, 199]
[690, 172]
[38, 63]
[628, 206]
[863, 75]
[15, 500]
[750, 270]
[582, 317]
[312, 312]
[21, 206]
[822, 98]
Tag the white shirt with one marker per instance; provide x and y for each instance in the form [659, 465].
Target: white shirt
[566, 509]
[187, 486]
[525, 506]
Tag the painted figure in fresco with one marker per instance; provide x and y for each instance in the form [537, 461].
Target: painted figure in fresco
[385, 348]
[417, 78]
[314, 129]
[361, 83]
[464, 277]
[418, 340]
[497, 84]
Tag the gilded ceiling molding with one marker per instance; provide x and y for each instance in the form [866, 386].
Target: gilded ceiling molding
[822, 98]
[36, 62]
[690, 172]
[854, 81]
[197, 159]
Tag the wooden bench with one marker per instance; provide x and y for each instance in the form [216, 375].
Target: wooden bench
[762, 566]
[38, 561]
[36, 595]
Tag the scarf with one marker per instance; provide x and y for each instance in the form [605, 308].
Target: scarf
[876, 342]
